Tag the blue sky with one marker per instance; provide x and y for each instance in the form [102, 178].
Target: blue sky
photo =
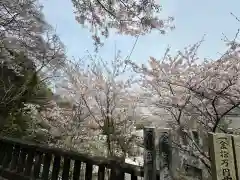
[193, 19]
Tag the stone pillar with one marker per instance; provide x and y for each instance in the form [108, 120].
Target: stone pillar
[149, 153]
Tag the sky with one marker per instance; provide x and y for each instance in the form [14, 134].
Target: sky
[193, 19]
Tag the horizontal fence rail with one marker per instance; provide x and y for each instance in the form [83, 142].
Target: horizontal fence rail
[24, 161]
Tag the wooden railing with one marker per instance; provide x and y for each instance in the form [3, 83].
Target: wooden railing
[24, 161]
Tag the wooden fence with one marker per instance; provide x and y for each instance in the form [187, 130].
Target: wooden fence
[24, 161]
[225, 156]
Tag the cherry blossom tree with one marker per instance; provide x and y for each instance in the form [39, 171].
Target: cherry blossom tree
[31, 55]
[24, 29]
[103, 102]
[194, 93]
[126, 17]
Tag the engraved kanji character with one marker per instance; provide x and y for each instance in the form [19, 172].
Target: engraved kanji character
[224, 154]
[224, 162]
[226, 172]
[223, 144]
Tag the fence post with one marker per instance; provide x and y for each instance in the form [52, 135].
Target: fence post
[222, 157]
[149, 153]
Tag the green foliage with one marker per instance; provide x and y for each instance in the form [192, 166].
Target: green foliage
[139, 126]
[20, 85]
[16, 125]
